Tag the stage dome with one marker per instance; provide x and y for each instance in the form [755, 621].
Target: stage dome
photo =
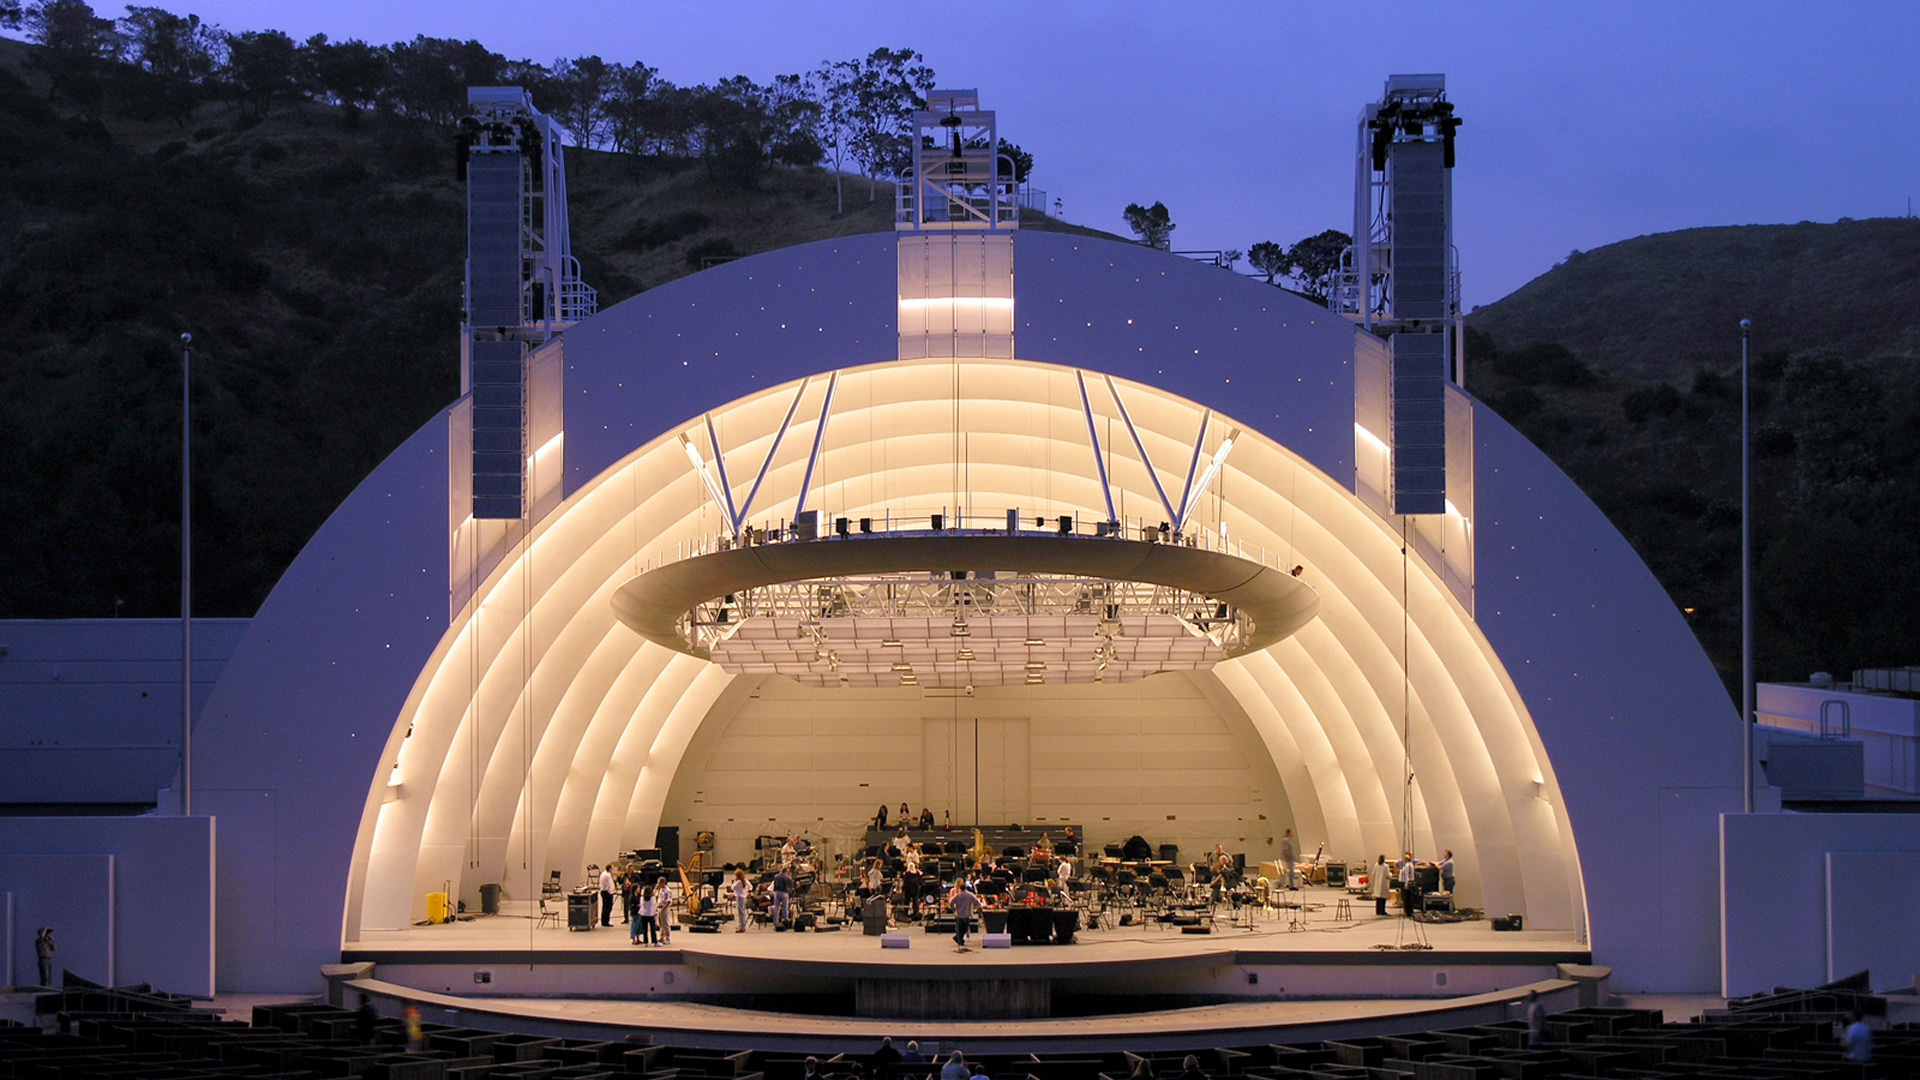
[427, 700]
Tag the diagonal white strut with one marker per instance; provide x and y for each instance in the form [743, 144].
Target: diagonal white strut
[1152, 474]
[747, 507]
[1093, 436]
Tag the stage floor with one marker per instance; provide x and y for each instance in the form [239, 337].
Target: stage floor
[1272, 938]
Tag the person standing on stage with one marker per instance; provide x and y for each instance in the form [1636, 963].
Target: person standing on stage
[742, 899]
[648, 927]
[664, 898]
[965, 902]
[1288, 853]
[606, 895]
[782, 890]
[1378, 884]
[876, 879]
[1446, 871]
[912, 880]
[630, 894]
[1409, 869]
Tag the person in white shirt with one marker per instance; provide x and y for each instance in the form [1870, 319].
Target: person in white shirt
[664, 898]
[742, 899]
[606, 896]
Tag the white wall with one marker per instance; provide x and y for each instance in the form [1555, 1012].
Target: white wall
[92, 706]
[1152, 757]
[130, 898]
[1807, 898]
[1887, 727]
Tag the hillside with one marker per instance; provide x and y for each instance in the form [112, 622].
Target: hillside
[1667, 305]
[316, 255]
[316, 259]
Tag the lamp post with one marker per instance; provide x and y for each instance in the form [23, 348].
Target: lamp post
[1746, 566]
[186, 574]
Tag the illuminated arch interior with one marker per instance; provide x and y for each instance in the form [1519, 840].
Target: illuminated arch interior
[544, 733]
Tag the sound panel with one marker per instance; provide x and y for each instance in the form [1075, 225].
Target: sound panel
[499, 430]
[1419, 422]
[1419, 230]
[494, 195]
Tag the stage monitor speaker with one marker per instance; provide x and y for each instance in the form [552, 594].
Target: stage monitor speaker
[1427, 878]
[1511, 922]
[1170, 853]
[1196, 929]
[1337, 874]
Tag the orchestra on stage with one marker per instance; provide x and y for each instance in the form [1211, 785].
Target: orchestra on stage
[1036, 885]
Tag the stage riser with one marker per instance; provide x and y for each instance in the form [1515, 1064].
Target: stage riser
[924, 994]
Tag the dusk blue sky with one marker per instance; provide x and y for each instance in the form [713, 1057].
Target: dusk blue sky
[1585, 123]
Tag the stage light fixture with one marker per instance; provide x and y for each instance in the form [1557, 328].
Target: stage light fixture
[1034, 679]
[1035, 643]
[890, 643]
[965, 655]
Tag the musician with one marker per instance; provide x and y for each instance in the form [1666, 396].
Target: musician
[742, 899]
[906, 816]
[782, 890]
[902, 842]
[1065, 873]
[1289, 852]
[911, 878]
[876, 882]
[787, 852]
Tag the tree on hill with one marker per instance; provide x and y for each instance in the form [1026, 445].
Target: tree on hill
[628, 106]
[430, 76]
[351, 74]
[179, 57]
[1152, 224]
[891, 84]
[11, 14]
[76, 46]
[264, 64]
[1022, 161]
[1315, 263]
[1269, 258]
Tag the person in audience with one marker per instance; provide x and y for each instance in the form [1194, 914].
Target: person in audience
[906, 816]
[1856, 1042]
[926, 817]
[979, 1070]
[880, 817]
[886, 1055]
[1142, 1069]
[810, 1069]
[913, 1056]
[955, 1068]
[364, 1019]
[1536, 1020]
[1190, 1069]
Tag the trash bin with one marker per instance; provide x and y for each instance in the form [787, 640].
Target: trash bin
[873, 917]
[490, 899]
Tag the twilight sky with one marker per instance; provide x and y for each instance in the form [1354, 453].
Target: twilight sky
[1584, 123]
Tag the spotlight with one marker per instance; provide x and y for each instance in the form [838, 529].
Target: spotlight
[960, 628]
[1297, 571]
[1035, 643]
[965, 655]
[1034, 679]
[843, 527]
[890, 643]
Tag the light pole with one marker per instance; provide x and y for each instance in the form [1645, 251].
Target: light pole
[1746, 566]
[186, 574]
